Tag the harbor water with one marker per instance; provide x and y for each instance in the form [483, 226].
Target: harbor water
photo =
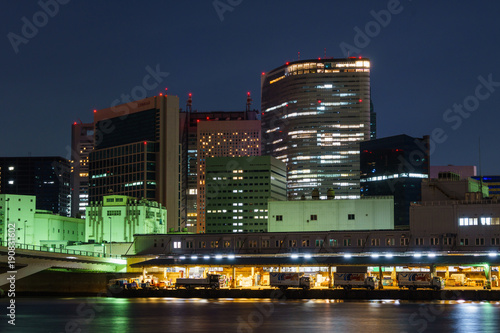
[247, 315]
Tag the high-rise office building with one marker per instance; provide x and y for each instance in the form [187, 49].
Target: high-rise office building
[314, 115]
[221, 139]
[395, 166]
[82, 143]
[47, 178]
[189, 137]
[137, 153]
[238, 190]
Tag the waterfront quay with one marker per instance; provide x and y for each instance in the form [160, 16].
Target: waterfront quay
[450, 294]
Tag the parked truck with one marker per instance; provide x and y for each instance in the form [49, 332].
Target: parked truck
[354, 280]
[414, 281]
[211, 281]
[290, 280]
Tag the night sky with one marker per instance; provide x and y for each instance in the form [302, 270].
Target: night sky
[426, 57]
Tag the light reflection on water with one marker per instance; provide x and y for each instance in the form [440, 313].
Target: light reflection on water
[249, 315]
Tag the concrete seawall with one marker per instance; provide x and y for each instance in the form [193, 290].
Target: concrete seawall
[66, 284]
[355, 294]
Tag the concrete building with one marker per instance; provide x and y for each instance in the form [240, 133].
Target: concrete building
[118, 217]
[395, 166]
[493, 183]
[82, 144]
[55, 231]
[238, 190]
[331, 215]
[223, 139]
[137, 153]
[449, 186]
[47, 178]
[464, 171]
[189, 121]
[37, 227]
[315, 114]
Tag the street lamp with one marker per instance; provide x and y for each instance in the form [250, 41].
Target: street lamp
[110, 236]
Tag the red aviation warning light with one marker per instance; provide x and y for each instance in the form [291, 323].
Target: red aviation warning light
[95, 111]
[74, 123]
[319, 101]
[361, 101]
[287, 63]
[263, 73]
[145, 142]
[161, 94]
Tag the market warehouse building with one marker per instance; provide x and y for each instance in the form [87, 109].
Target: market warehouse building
[373, 213]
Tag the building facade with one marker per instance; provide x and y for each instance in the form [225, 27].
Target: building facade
[118, 217]
[37, 227]
[189, 121]
[238, 190]
[331, 215]
[137, 153]
[222, 139]
[82, 144]
[47, 178]
[450, 187]
[315, 114]
[493, 183]
[395, 166]
[464, 171]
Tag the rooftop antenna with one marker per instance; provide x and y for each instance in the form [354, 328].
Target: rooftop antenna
[480, 171]
[324, 53]
[249, 103]
[298, 54]
[189, 103]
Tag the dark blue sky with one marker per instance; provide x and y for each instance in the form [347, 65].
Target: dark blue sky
[426, 59]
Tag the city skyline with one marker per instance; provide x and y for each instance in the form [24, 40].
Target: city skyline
[423, 63]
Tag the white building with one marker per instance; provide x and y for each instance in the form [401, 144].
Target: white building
[121, 217]
[37, 227]
[374, 213]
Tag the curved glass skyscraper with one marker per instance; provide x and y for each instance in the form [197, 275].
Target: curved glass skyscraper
[314, 114]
